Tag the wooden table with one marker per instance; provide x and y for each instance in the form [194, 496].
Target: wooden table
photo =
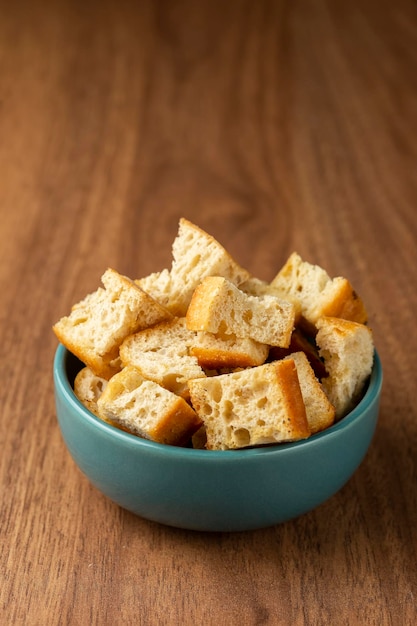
[275, 126]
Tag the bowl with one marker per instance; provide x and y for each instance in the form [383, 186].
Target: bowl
[224, 491]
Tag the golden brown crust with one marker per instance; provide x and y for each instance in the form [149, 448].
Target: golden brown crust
[346, 305]
[320, 412]
[199, 439]
[98, 324]
[198, 313]
[317, 293]
[222, 320]
[256, 406]
[103, 366]
[215, 358]
[88, 387]
[178, 426]
[241, 274]
[342, 327]
[217, 306]
[287, 377]
[145, 409]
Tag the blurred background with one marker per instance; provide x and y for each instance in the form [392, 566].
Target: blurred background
[275, 125]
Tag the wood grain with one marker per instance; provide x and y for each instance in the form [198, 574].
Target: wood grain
[276, 126]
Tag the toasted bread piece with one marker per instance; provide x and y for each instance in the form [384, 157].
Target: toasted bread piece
[255, 406]
[218, 307]
[98, 324]
[147, 409]
[170, 372]
[199, 439]
[227, 352]
[257, 287]
[196, 254]
[88, 388]
[157, 285]
[311, 288]
[171, 338]
[320, 412]
[170, 354]
[161, 353]
[348, 352]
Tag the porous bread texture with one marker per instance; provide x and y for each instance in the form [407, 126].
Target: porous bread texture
[311, 288]
[146, 409]
[170, 354]
[320, 412]
[347, 349]
[98, 324]
[171, 338]
[254, 406]
[258, 287]
[88, 388]
[209, 326]
[195, 255]
[157, 285]
[170, 372]
[162, 354]
[219, 307]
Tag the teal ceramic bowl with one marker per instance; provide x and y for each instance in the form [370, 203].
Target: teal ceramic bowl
[213, 490]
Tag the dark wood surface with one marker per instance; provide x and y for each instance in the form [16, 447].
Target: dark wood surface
[276, 126]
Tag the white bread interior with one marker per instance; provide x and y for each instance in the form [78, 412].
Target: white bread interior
[88, 388]
[97, 325]
[195, 255]
[320, 411]
[146, 409]
[347, 349]
[259, 362]
[254, 406]
[162, 354]
[219, 307]
[316, 294]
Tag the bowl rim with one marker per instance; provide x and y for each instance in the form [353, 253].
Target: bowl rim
[62, 385]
